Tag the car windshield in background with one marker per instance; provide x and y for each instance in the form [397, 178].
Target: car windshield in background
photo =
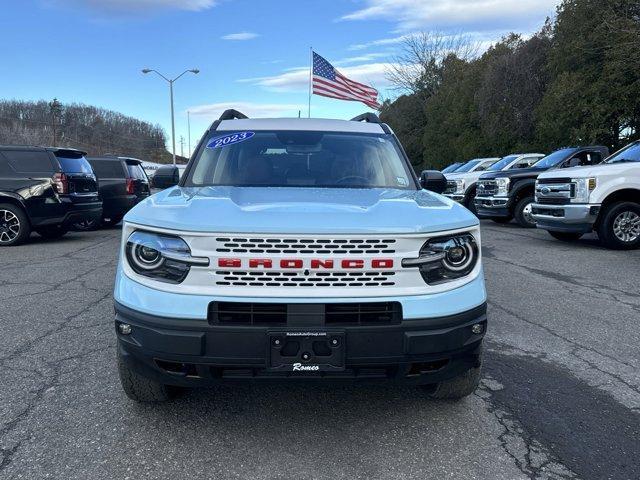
[554, 158]
[629, 154]
[74, 165]
[452, 168]
[468, 166]
[500, 164]
[301, 159]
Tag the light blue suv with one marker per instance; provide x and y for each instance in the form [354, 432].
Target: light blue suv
[300, 249]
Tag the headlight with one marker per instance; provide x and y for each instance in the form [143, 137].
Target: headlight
[162, 257]
[503, 186]
[446, 258]
[459, 185]
[584, 187]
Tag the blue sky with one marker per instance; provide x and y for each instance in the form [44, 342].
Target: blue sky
[251, 53]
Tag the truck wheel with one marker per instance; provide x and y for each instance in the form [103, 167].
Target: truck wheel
[458, 387]
[620, 226]
[502, 220]
[139, 388]
[522, 213]
[14, 225]
[53, 232]
[471, 205]
[566, 236]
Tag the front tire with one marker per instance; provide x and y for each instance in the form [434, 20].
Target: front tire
[566, 236]
[523, 213]
[14, 225]
[620, 226]
[139, 388]
[458, 387]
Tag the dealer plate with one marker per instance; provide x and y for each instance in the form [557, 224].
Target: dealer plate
[306, 351]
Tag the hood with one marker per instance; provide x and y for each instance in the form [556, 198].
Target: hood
[464, 175]
[514, 173]
[593, 170]
[300, 210]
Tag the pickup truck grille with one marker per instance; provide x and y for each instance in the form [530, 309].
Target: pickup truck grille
[555, 191]
[305, 279]
[486, 188]
[339, 246]
[451, 187]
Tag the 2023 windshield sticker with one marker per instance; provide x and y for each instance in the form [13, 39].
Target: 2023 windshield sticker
[229, 139]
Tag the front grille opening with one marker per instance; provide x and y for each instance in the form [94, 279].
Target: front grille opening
[427, 367]
[330, 314]
[242, 278]
[177, 368]
[305, 245]
[375, 313]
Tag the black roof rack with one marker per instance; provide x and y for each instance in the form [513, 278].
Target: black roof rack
[367, 117]
[232, 114]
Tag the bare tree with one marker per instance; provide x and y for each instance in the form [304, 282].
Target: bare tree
[418, 68]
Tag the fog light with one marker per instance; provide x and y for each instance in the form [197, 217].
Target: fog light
[125, 328]
[477, 329]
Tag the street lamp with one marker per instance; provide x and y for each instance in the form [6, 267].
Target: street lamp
[170, 82]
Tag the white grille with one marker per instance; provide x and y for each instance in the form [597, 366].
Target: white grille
[304, 279]
[336, 246]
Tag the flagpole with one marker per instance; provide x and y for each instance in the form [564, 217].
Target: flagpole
[310, 79]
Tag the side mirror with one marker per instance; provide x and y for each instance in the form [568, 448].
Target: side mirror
[433, 180]
[165, 177]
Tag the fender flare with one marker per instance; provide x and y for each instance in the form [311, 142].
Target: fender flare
[521, 185]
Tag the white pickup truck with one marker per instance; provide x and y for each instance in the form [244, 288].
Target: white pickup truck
[604, 198]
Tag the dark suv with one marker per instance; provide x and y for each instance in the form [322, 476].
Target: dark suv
[122, 182]
[46, 190]
[504, 195]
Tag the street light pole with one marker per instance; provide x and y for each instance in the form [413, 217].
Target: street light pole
[173, 122]
[189, 132]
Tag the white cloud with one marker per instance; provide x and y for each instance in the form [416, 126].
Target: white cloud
[140, 5]
[380, 42]
[438, 14]
[367, 57]
[297, 79]
[240, 36]
[253, 110]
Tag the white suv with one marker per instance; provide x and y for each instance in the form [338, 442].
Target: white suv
[603, 197]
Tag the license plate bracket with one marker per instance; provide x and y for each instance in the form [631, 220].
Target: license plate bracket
[306, 352]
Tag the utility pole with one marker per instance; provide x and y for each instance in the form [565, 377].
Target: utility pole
[181, 146]
[55, 107]
[171, 81]
[189, 131]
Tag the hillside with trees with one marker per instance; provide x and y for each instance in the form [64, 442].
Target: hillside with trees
[95, 130]
[576, 81]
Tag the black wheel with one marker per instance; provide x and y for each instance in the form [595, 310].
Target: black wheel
[14, 225]
[456, 388]
[620, 226]
[522, 213]
[566, 236]
[111, 222]
[471, 204]
[87, 225]
[52, 232]
[502, 220]
[139, 388]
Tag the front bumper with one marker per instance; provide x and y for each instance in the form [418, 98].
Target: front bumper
[457, 197]
[195, 352]
[577, 218]
[492, 207]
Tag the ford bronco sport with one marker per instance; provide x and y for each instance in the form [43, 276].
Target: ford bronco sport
[300, 249]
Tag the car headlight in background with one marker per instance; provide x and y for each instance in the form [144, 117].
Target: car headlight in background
[446, 258]
[165, 258]
[459, 185]
[584, 187]
[503, 186]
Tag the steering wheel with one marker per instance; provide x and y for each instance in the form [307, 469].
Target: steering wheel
[365, 181]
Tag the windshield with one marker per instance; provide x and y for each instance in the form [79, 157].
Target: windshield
[301, 159]
[468, 166]
[74, 165]
[500, 164]
[630, 153]
[554, 158]
[451, 168]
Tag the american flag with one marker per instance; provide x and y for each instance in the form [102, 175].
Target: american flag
[329, 82]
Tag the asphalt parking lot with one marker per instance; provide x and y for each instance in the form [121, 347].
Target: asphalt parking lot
[560, 398]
